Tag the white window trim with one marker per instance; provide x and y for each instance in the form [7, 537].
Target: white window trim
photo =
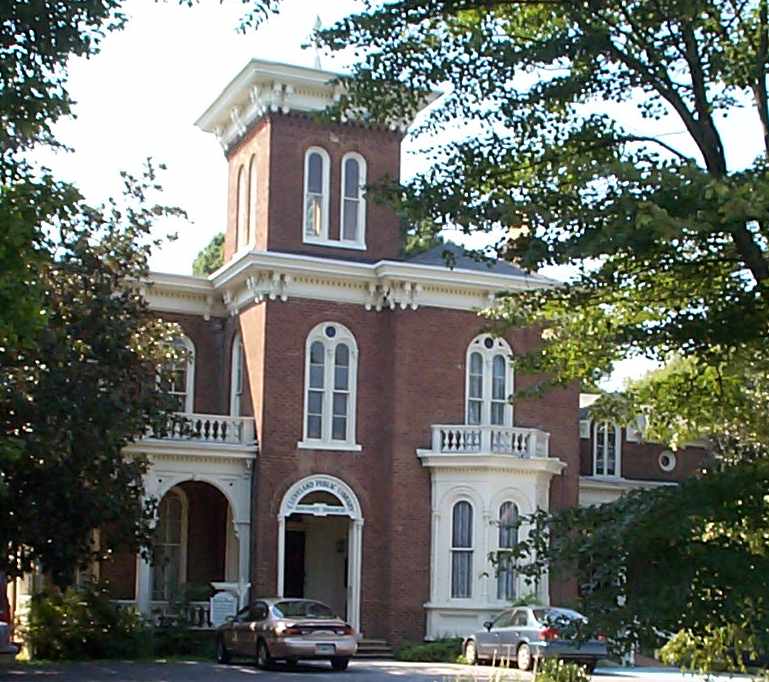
[252, 201]
[241, 209]
[326, 166]
[343, 335]
[236, 366]
[500, 346]
[468, 550]
[359, 243]
[617, 450]
[184, 534]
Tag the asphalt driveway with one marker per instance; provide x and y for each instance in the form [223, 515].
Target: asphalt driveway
[359, 671]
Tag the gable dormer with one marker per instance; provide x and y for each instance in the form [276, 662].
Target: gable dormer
[297, 184]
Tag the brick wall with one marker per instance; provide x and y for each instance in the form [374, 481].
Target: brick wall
[411, 374]
[278, 143]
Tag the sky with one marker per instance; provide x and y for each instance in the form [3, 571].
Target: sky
[140, 96]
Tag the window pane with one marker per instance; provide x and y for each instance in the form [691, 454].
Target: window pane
[313, 426]
[340, 404]
[315, 173]
[498, 388]
[316, 353]
[342, 355]
[474, 412]
[315, 402]
[339, 428]
[316, 376]
[476, 386]
[461, 574]
[506, 579]
[313, 215]
[350, 220]
[341, 378]
[508, 529]
[351, 178]
[476, 364]
[497, 413]
[462, 522]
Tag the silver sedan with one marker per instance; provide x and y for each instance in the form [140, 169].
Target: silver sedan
[520, 635]
[287, 629]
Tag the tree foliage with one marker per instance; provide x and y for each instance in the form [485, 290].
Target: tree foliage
[595, 137]
[211, 258]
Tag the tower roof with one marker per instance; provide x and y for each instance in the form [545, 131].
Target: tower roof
[263, 86]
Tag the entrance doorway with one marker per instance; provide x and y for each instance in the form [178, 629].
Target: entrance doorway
[319, 545]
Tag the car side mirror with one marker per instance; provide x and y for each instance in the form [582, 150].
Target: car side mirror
[488, 625]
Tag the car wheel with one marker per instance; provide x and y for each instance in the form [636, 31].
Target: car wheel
[291, 662]
[471, 653]
[222, 655]
[340, 663]
[523, 657]
[263, 658]
[590, 667]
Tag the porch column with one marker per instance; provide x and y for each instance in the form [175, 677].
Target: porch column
[243, 533]
[143, 585]
[354, 563]
[281, 553]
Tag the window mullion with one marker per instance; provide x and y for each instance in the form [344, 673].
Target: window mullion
[328, 391]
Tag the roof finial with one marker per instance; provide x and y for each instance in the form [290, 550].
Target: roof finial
[316, 27]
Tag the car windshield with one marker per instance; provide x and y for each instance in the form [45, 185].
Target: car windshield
[561, 617]
[302, 609]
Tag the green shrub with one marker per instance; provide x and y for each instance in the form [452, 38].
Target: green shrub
[83, 623]
[439, 651]
[554, 670]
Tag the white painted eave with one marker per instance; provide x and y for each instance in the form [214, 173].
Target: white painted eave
[620, 484]
[546, 465]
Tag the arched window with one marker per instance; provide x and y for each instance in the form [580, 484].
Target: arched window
[236, 377]
[353, 203]
[241, 225]
[606, 449]
[508, 539]
[489, 382]
[330, 384]
[462, 550]
[169, 568]
[179, 375]
[316, 186]
[252, 200]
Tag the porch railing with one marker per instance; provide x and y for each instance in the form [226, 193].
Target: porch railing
[194, 614]
[457, 439]
[205, 428]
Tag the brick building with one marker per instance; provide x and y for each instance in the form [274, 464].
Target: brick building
[387, 449]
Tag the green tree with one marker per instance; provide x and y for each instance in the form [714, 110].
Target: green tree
[211, 258]
[78, 348]
[575, 165]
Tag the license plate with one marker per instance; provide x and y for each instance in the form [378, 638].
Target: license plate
[325, 649]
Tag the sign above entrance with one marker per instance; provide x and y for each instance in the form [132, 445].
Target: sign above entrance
[348, 503]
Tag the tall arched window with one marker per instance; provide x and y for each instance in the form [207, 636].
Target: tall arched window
[316, 187]
[353, 203]
[241, 225]
[489, 381]
[462, 550]
[252, 200]
[179, 375]
[236, 378]
[169, 569]
[331, 358]
[606, 450]
[508, 539]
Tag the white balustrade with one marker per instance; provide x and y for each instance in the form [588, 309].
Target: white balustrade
[462, 439]
[206, 428]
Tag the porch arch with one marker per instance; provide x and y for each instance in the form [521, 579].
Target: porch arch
[294, 502]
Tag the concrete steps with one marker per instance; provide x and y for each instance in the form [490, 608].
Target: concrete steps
[374, 648]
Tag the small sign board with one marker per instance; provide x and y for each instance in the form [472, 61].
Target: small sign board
[223, 605]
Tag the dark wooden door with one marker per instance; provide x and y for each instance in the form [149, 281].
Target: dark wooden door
[294, 570]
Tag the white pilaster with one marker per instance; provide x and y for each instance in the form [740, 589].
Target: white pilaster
[243, 532]
[281, 553]
[143, 585]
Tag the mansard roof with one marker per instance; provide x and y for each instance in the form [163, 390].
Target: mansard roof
[454, 257]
